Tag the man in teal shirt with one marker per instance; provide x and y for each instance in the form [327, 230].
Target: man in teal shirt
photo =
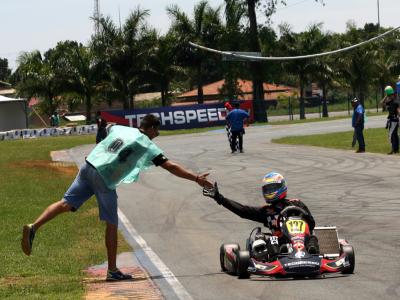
[117, 159]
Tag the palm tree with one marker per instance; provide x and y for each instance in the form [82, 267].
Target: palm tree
[260, 113]
[35, 76]
[356, 67]
[233, 39]
[205, 28]
[162, 65]
[125, 51]
[82, 74]
[308, 42]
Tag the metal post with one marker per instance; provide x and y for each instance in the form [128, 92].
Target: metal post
[26, 114]
[319, 107]
[289, 109]
[379, 18]
[348, 104]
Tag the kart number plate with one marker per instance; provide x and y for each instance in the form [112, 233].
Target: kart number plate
[296, 227]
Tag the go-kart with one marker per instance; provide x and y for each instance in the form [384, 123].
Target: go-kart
[295, 257]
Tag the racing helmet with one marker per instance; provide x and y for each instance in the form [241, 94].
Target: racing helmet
[274, 187]
[389, 90]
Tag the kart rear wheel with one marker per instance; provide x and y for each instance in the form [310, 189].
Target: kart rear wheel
[222, 251]
[243, 262]
[349, 251]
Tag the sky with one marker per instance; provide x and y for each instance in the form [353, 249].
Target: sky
[27, 25]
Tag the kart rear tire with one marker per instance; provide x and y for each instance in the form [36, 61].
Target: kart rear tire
[243, 262]
[349, 251]
[222, 251]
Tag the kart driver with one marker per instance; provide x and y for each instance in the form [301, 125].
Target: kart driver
[274, 190]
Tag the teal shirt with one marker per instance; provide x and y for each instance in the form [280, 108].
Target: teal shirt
[121, 156]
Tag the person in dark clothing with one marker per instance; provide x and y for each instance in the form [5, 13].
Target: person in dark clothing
[235, 121]
[393, 118]
[274, 190]
[101, 128]
[229, 108]
[358, 124]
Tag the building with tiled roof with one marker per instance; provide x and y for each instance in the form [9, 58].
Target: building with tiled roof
[272, 92]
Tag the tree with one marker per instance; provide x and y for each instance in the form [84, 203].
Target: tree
[35, 76]
[162, 65]
[356, 67]
[233, 39]
[5, 72]
[269, 8]
[295, 44]
[205, 28]
[125, 52]
[82, 74]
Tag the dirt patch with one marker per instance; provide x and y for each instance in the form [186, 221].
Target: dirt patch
[66, 168]
[139, 288]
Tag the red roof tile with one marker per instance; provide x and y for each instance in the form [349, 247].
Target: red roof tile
[272, 91]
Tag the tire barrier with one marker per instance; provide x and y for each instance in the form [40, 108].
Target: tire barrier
[47, 132]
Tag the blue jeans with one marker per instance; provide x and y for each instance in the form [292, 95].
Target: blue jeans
[360, 137]
[87, 183]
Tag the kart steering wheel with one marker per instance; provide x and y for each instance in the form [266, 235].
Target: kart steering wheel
[297, 211]
[291, 210]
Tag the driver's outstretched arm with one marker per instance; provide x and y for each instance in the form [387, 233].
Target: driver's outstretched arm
[253, 213]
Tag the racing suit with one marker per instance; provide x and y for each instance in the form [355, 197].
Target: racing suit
[268, 215]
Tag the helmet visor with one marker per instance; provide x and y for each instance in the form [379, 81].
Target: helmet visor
[271, 188]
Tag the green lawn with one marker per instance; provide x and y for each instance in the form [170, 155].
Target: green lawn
[376, 140]
[62, 248]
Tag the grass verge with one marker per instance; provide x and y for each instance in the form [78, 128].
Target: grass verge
[376, 140]
[64, 247]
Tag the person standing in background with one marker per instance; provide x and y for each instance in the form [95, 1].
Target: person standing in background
[393, 118]
[398, 89]
[55, 119]
[358, 124]
[228, 109]
[101, 128]
[235, 121]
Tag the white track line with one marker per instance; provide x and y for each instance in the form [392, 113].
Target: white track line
[176, 286]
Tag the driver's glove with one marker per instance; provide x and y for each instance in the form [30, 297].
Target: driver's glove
[213, 193]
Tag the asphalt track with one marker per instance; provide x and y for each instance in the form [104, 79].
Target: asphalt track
[359, 193]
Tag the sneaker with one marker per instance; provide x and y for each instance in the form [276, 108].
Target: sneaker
[28, 234]
[241, 151]
[360, 151]
[117, 275]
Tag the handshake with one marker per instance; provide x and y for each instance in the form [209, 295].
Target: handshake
[213, 192]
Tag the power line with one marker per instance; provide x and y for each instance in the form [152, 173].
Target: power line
[264, 58]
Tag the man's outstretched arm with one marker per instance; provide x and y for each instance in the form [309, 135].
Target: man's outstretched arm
[178, 170]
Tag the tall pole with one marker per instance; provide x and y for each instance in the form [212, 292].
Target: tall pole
[379, 18]
[96, 16]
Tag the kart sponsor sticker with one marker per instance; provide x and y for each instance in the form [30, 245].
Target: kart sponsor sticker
[300, 254]
[302, 263]
[296, 226]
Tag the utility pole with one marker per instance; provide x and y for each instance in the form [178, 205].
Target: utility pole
[96, 16]
[379, 18]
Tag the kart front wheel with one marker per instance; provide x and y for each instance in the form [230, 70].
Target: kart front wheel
[243, 262]
[349, 251]
[231, 264]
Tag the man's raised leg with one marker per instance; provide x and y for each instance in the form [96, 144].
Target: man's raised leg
[29, 230]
